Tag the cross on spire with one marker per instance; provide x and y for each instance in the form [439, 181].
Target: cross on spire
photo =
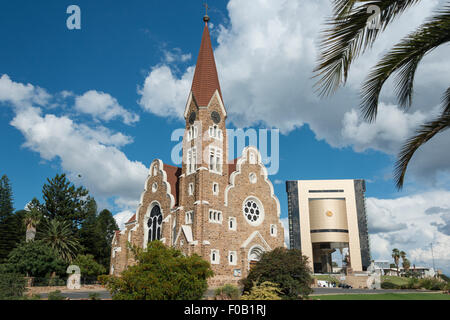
[206, 18]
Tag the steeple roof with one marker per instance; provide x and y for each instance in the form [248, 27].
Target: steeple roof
[206, 80]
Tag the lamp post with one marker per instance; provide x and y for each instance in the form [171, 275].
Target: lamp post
[432, 256]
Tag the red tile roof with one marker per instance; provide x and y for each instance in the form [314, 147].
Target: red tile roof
[173, 175]
[132, 219]
[206, 80]
[232, 168]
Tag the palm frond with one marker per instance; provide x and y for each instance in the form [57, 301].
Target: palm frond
[423, 135]
[446, 101]
[404, 58]
[348, 35]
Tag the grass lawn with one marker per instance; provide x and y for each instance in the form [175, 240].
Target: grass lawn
[385, 296]
[395, 280]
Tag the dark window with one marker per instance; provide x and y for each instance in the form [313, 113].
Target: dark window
[154, 224]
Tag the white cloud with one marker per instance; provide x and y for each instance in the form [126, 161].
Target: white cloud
[176, 55]
[387, 134]
[265, 57]
[411, 224]
[105, 169]
[20, 95]
[90, 152]
[165, 95]
[102, 106]
[122, 218]
[285, 222]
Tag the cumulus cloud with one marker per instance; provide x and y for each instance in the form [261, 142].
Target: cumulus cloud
[410, 224]
[122, 218]
[163, 94]
[102, 106]
[21, 95]
[387, 134]
[265, 57]
[92, 152]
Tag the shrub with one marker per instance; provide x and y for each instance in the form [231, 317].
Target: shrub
[265, 291]
[447, 288]
[12, 286]
[161, 273]
[89, 267]
[227, 292]
[56, 295]
[389, 285]
[286, 268]
[35, 259]
[94, 296]
[432, 284]
[413, 283]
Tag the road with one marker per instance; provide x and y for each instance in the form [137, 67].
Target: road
[104, 295]
[322, 291]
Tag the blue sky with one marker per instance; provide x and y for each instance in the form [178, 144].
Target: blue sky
[137, 56]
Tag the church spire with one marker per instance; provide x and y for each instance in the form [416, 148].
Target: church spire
[206, 80]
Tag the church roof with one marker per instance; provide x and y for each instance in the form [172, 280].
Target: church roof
[173, 175]
[132, 219]
[206, 80]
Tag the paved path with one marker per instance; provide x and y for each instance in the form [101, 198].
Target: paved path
[322, 291]
[77, 295]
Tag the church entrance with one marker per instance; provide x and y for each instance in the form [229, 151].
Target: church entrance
[154, 224]
[254, 256]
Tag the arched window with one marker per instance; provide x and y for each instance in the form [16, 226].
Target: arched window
[154, 224]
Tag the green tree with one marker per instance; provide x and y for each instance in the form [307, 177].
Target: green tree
[405, 262]
[396, 257]
[12, 286]
[349, 34]
[161, 273]
[6, 198]
[96, 236]
[89, 267]
[64, 202]
[32, 218]
[264, 291]
[7, 221]
[35, 259]
[286, 268]
[58, 235]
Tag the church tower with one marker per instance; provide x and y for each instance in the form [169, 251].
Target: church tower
[205, 169]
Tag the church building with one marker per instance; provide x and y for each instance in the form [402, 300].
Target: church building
[225, 211]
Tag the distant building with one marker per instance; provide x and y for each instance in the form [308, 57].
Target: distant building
[329, 215]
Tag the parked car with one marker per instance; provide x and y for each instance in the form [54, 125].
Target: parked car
[345, 286]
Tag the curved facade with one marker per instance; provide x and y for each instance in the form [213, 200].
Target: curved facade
[329, 215]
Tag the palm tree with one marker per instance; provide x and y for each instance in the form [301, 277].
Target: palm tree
[349, 34]
[31, 220]
[59, 236]
[406, 264]
[396, 256]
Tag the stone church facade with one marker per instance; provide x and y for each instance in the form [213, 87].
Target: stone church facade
[225, 212]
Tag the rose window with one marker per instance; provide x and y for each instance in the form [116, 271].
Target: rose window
[253, 211]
